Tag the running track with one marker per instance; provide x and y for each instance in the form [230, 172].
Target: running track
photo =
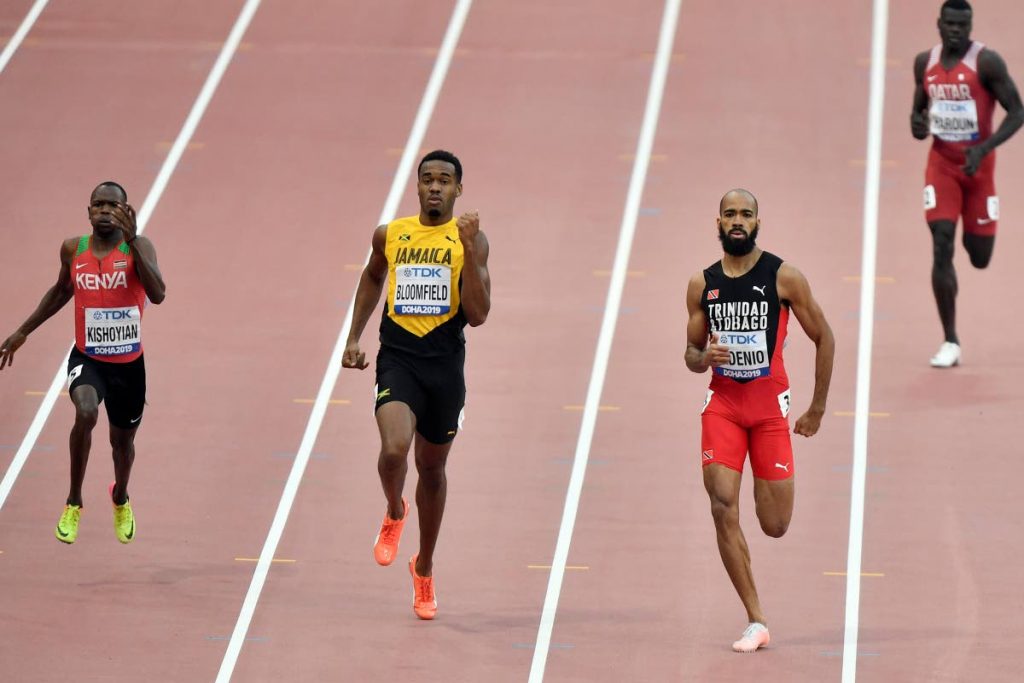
[260, 235]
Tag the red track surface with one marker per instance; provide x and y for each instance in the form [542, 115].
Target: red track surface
[279, 194]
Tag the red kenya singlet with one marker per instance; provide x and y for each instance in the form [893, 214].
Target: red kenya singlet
[109, 300]
[960, 108]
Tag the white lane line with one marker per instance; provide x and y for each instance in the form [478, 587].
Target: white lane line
[872, 183]
[645, 143]
[330, 378]
[155, 192]
[19, 35]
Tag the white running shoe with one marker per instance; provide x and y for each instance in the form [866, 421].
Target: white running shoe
[947, 357]
[756, 636]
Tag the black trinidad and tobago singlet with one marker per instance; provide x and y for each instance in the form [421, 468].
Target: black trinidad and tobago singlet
[749, 318]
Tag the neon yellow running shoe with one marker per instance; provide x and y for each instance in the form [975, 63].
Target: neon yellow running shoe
[67, 527]
[124, 519]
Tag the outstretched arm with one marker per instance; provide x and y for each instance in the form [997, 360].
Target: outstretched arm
[919, 127]
[701, 352]
[793, 286]
[996, 78]
[53, 300]
[371, 283]
[475, 295]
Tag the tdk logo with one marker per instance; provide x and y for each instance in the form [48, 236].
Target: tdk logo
[417, 271]
[738, 339]
[112, 315]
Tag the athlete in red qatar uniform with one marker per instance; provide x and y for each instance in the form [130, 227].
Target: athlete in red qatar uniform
[958, 83]
[110, 274]
[738, 313]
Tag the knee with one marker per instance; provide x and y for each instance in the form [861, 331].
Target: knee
[725, 513]
[942, 245]
[776, 528]
[86, 415]
[431, 476]
[980, 260]
[392, 457]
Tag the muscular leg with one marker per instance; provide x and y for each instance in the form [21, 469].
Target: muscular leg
[122, 441]
[431, 494]
[773, 499]
[723, 487]
[944, 284]
[397, 424]
[979, 248]
[87, 403]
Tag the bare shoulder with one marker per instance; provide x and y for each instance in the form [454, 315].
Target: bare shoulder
[790, 282]
[695, 289]
[991, 64]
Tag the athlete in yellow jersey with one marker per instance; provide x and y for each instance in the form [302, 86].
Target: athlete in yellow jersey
[435, 269]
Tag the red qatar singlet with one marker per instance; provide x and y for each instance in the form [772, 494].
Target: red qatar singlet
[960, 107]
[109, 301]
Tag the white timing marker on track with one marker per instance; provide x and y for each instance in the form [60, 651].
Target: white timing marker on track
[645, 143]
[316, 417]
[148, 205]
[872, 186]
[19, 35]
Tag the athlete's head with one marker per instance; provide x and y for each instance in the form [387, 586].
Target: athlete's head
[438, 184]
[955, 24]
[738, 222]
[102, 202]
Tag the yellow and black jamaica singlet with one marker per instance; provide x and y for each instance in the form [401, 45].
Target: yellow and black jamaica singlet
[422, 313]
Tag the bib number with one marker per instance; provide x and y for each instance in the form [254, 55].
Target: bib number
[954, 120]
[423, 290]
[748, 355]
[113, 331]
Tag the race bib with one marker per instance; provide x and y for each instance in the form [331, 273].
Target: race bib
[113, 331]
[423, 290]
[748, 355]
[954, 120]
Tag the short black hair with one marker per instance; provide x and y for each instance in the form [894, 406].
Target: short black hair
[958, 5]
[442, 155]
[111, 183]
[738, 190]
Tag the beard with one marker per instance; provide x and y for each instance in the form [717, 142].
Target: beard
[434, 213]
[734, 248]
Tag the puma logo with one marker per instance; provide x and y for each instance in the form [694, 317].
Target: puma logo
[782, 467]
[450, 239]
[760, 289]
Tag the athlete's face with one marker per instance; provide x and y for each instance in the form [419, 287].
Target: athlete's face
[955, 28]
[101, 207]
[437, 188]
[738, 224]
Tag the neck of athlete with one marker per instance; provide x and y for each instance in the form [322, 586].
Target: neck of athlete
[735, 266]
[955, 53]
[434, 221]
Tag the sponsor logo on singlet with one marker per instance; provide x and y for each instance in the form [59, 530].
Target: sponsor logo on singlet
[113, 331]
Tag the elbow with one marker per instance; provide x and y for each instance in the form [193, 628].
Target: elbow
[476, 320]
[158, 297]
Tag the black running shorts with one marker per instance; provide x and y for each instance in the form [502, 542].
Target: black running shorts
[433, 387]
[121, 386]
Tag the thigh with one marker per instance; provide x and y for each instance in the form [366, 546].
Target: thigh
[84, 372]
[397, 383]
[771, 449]
[981, 204]
[446, 392]
[126, 394]
[943, 195]
[723, 440]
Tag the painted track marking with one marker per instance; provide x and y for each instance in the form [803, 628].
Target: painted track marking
[645, 143]
[872, 187]
[156, 191]
[19, 35]
[330, 378]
